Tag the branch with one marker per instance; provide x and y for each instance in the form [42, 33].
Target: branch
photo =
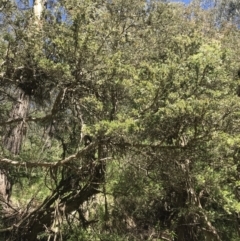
[34, 119]
[48, 164]
[79, 153]
[6, 229]
[59, 99]
[154, 146]
[211, 229]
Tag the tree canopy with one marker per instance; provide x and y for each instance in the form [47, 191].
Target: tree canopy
[119, 120]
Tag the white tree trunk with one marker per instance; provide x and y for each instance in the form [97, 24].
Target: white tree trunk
[37, 10]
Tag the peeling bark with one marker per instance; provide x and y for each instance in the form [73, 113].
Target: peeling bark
[13, 139]
[15, 133]
[5, 185]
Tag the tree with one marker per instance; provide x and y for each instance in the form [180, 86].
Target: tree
[124, 113]
[224, 11]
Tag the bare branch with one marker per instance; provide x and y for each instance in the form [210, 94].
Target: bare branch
[47, 164]
[34, 119]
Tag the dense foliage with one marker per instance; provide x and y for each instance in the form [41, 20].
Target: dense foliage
[119, 120]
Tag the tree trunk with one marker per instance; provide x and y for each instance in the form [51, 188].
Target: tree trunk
[13, 139]
[15, 133]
